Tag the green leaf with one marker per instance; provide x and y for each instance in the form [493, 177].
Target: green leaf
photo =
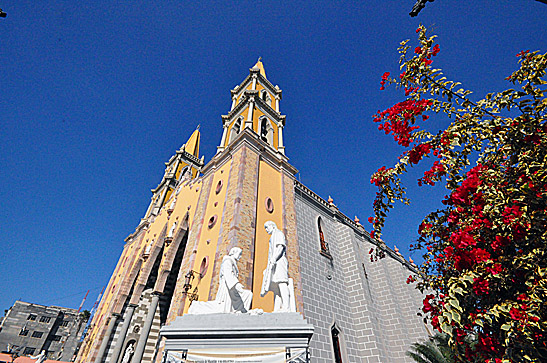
[456, 316]
[455, 303]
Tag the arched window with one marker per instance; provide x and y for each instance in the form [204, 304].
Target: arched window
[322, 242]
[264, 95]
[336, 346]
[185, 170]
[236, 129]
[266, 130]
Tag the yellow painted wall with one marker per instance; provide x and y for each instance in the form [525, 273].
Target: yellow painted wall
[256, 114]
[208, 240]
[106, 301]
[269, 185]
[185, 203]
[167, 196]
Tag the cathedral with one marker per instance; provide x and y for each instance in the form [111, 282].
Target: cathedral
[348, 309]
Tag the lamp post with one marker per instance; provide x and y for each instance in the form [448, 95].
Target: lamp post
[189, 277]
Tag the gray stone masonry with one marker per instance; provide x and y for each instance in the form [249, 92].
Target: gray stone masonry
[369, 302]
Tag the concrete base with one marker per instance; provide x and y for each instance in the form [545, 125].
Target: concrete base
[220, 331]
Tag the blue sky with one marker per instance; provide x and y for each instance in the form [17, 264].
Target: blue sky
[96, 96]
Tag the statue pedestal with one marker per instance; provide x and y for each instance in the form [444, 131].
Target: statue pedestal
[270, 337]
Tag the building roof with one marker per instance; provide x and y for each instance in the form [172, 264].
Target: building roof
[30, 360]
[5, 357]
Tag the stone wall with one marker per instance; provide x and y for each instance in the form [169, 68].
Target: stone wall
[370, 303]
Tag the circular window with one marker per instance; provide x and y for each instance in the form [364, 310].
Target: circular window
[269, 205]
[204, 266]
[212, 221]
[219, 187]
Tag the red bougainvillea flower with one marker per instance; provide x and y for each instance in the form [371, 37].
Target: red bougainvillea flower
[480, 286]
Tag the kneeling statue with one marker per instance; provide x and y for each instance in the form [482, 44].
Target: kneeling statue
[231, 297]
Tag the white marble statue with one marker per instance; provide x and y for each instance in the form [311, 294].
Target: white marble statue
[149, 248]
[171, 233]
[231, 297]
[40, 358]
[173, 202]
[128, 354]
[276, 275]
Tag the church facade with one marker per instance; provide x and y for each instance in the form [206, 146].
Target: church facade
[361, 311]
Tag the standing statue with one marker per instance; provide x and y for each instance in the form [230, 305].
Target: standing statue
[148, 248]
[171, 233]
[276, 274]
[128, 354]
[231, 297]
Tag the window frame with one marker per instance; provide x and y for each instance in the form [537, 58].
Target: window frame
[323, 244]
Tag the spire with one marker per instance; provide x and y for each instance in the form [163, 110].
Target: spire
[192, 145]
[184, 164]
[260, 66]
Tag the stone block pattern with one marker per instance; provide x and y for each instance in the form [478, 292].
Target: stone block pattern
[134, 330]
[239, 215]
[293, 251]
[396, 303]
[370, 303]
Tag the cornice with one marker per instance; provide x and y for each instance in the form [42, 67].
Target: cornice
[267, 84]
[266, 108]
[263, 80]
[244, 102]
[141, 227]
[358, 228]
[191, 157]
[241, 86]
[250, 139]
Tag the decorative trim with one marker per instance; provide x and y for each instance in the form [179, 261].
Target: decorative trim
[244, 102]
[250, 138]
[191, 157]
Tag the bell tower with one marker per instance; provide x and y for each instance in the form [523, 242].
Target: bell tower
[185, 164]
[255, 105]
